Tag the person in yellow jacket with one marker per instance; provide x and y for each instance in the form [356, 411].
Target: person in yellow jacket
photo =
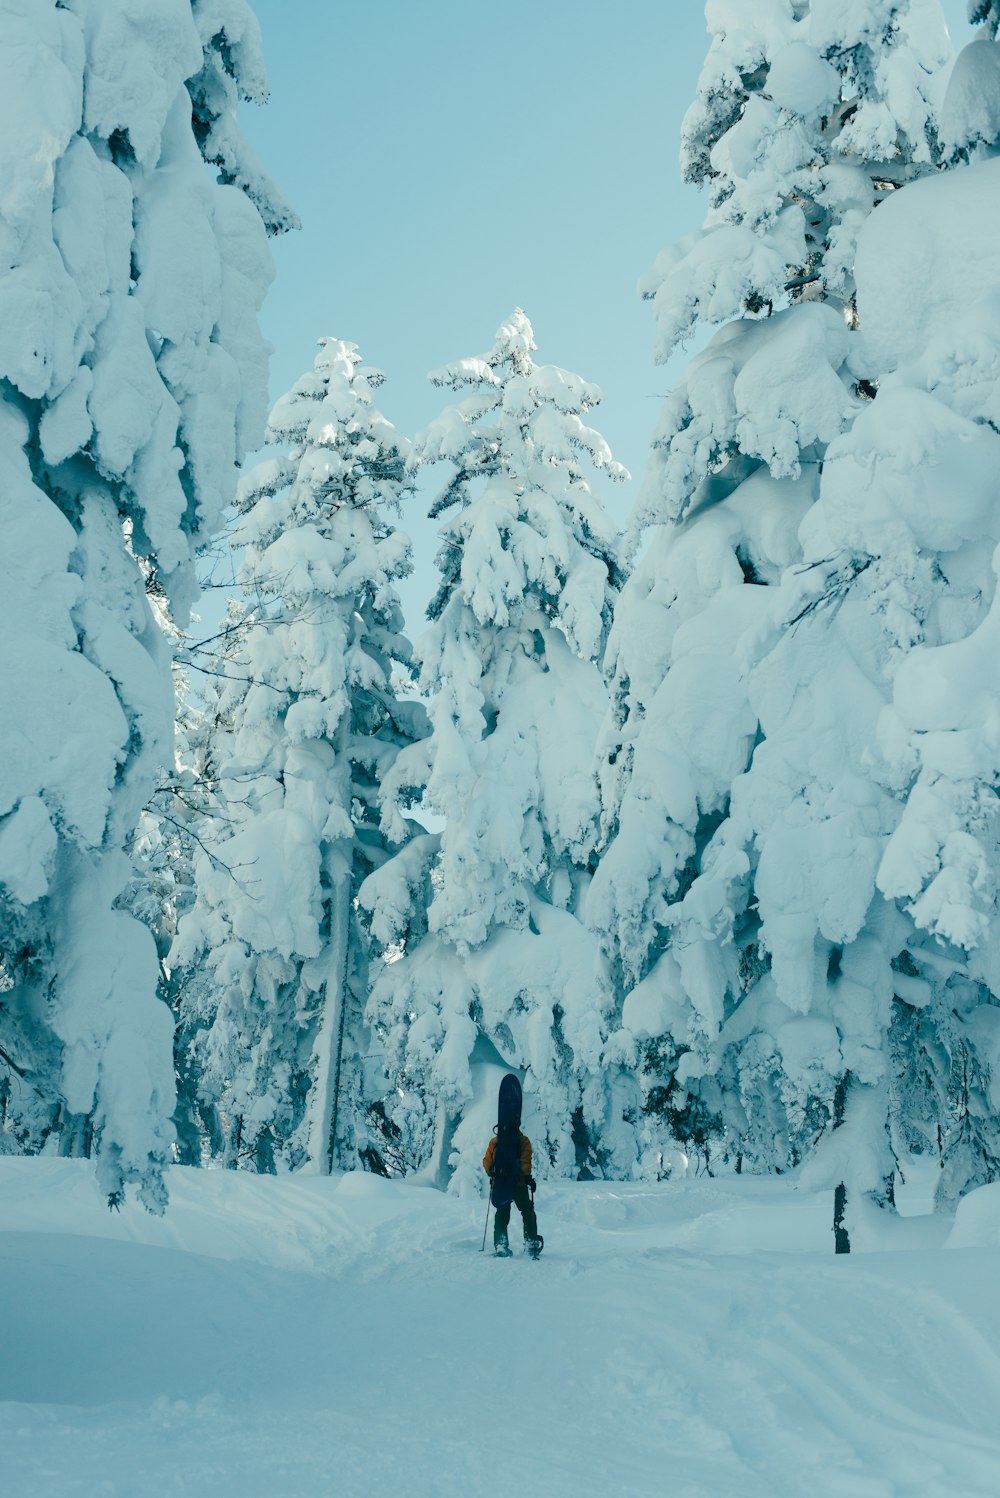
[524, 1185]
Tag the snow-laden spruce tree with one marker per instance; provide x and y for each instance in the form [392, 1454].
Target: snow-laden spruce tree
[308, 715]
[735, 800]
[910, 495]
[504, 974]
[133, 378]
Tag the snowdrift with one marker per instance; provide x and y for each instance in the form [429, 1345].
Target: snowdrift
[304, 1337]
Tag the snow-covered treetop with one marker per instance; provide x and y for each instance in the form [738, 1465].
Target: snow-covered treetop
[536, 412]
[314, 537]
[319, 555]
[985, 13]
[806, 115]
[342, 449]
[536, 536]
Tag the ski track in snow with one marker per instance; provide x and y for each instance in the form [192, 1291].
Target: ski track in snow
[304, 1338]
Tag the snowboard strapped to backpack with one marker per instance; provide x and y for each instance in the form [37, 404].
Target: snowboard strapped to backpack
[507, 1160]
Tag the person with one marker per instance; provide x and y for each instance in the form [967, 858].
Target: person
[523, 1187]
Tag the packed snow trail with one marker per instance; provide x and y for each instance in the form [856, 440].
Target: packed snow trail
[308, 1337]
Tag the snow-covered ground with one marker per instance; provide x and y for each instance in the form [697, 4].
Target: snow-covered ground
[325, 1338]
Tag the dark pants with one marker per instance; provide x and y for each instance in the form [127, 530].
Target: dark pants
[522, 1200]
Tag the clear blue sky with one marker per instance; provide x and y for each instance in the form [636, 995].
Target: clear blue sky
[452, 159]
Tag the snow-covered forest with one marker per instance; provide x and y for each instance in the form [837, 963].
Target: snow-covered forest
[693, 827]
[692, 823]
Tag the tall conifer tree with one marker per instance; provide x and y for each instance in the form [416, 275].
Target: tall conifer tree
[505, 973]
[730, 784]
[307, 723]
[133, 377]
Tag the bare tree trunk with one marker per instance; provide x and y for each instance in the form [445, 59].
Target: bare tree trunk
[344, 945]
[325, 1103]
[234, 1143]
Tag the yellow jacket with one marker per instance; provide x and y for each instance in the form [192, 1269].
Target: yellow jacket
[525, 1153]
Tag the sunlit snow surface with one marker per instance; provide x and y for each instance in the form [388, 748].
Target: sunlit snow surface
[312, 1338]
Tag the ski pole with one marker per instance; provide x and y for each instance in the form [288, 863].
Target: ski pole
[486, 1228]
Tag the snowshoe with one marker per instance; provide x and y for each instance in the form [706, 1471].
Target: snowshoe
[502, 1250]
[535, 1246]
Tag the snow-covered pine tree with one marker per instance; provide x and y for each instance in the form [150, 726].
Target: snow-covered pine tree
[930, 433]
[307, 718]
[911, 493]
[162, 886]
[732, 791]
[133, 379]
[506, 975]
